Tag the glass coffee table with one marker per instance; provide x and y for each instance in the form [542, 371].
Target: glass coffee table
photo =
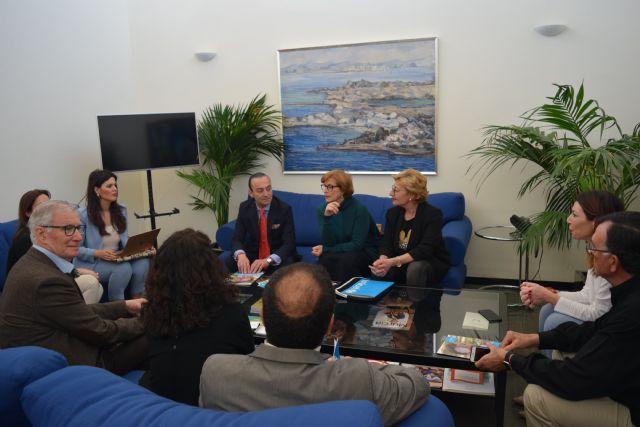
[435, 315]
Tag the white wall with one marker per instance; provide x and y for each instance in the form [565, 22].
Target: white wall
[61, 65]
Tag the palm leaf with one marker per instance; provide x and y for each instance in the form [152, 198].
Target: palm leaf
[564, 140]
[233, 141]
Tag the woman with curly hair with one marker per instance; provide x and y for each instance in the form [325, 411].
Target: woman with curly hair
[191, 314]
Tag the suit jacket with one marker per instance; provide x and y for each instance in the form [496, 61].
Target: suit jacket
[273, 377]
[426, 242]
[280, 230]
[43, 306]
[92, 239]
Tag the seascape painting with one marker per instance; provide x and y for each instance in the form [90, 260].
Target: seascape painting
[366, 108]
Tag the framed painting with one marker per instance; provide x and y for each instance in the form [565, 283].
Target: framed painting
[367, 108]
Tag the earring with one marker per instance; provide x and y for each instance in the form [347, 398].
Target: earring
[98, 194]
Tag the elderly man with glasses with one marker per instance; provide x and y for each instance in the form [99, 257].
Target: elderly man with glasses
[600, 385]
[42, 304]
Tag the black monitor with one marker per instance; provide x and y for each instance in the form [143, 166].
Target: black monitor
[148, 141]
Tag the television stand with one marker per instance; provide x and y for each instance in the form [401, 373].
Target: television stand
[152, 211]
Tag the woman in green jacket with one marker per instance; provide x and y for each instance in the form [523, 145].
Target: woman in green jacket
[349, 234]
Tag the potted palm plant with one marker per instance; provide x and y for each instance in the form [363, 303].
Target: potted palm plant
[232, 140]
[575, 147]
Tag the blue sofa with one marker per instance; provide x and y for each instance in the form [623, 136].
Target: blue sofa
[7, 230]
[37, 388]
[456, 229]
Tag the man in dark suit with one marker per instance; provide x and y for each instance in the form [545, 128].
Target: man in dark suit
[42, 304]
[288, 369]
[264, 237]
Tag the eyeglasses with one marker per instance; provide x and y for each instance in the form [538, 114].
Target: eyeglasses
[328, 187]
[395, 189]
[69, 229]
[591, 249]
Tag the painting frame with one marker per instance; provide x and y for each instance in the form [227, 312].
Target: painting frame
[374, 103]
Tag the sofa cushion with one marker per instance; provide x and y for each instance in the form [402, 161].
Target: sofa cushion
[86, 396]
[7, 230]
[19, 367]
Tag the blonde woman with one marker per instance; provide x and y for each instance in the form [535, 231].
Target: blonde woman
[412, 248]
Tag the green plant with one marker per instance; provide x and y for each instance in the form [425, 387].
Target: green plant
[567, 141]
[232, 140]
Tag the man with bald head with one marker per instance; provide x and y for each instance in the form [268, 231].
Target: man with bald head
[288, 369]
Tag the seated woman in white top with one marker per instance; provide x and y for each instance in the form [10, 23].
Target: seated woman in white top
[595, 298]
[105, 235]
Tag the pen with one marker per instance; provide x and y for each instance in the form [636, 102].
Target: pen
[336, 349]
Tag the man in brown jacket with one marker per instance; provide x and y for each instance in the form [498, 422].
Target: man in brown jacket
[42, 305]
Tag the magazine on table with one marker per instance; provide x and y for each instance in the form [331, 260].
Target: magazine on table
[432, 374]
[395, 318]
[459, 346]
[244, 279]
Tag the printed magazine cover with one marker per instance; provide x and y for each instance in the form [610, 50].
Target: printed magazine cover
[398, 319]
[432, 374]
[244, 279]
[458, 346]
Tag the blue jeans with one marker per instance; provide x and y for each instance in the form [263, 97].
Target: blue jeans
[118, 277]
[549, 320]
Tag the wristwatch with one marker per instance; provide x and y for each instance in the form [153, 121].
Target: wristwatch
[269, 260]
[507, 359]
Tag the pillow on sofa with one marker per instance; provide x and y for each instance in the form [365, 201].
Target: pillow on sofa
[19, 367]
[87, 396]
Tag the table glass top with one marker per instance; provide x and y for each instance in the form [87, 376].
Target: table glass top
[409, 324]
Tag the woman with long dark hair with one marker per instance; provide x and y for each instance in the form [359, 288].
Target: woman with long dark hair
[106, 234]
[191, 314]
[22, 240]
[594, 299]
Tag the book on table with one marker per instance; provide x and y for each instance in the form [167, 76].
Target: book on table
[462, 385]
[459, 346]
[244, 279]
[359, 288]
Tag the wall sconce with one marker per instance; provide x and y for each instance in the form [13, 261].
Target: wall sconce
[550, 30]
[205, 56]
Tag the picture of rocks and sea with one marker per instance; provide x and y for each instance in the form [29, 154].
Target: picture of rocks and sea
[363, 108]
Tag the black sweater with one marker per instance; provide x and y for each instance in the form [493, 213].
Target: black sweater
[606, 363]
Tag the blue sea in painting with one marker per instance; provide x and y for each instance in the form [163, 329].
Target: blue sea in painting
[303, 156]
[301, 97]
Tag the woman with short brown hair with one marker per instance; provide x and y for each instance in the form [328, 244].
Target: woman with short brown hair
[349, 234]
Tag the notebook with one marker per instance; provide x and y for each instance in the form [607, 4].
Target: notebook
[139, 246]
[359, 288]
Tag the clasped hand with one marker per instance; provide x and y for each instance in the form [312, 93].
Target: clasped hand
[381, 266]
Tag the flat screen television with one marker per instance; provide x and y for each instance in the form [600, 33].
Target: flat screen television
[148, 141]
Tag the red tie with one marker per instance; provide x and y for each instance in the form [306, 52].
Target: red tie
[263, 248]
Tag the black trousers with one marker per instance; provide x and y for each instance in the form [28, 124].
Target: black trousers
[342, 266]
